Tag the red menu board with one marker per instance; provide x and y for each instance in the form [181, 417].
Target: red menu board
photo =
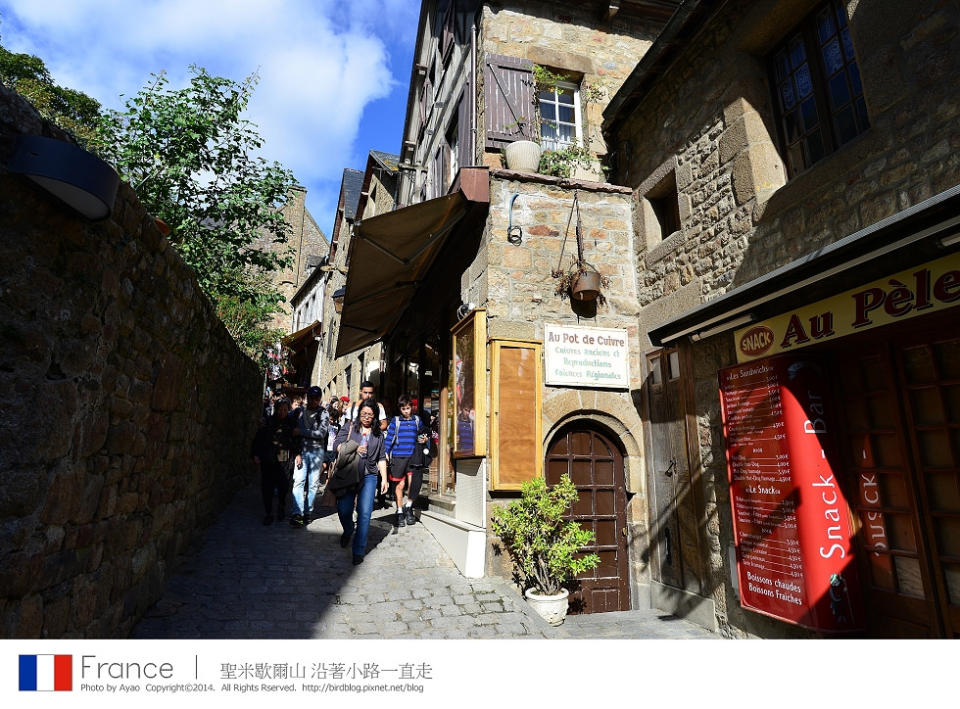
[791, 522]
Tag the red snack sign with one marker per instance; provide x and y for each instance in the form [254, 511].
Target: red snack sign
[791, 521]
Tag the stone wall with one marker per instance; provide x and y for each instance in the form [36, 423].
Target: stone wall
[306, 244]
[709, 118]
[128, 409]
[566, 37]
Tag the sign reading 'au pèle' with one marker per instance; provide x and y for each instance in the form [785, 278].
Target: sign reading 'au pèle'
[917, 291]
[586, 356]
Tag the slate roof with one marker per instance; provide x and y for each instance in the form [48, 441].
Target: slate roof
[351, 186]
[388, 161]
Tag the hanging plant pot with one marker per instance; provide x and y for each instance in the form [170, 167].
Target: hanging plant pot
[586, 287]
[522, 156]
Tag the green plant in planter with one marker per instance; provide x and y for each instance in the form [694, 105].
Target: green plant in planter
[543, 545]
[562, 163]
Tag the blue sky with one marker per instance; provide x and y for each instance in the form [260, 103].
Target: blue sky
[333, 73]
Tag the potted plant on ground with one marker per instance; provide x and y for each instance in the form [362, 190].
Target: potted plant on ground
[543, 545]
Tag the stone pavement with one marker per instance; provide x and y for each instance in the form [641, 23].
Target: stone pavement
[244, 580]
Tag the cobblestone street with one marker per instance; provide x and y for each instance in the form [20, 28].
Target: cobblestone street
[245, 580]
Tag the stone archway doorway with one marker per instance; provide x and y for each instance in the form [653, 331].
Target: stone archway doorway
[595, 466]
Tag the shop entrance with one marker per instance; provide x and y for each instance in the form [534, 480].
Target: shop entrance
[901, 457]
[595, 466]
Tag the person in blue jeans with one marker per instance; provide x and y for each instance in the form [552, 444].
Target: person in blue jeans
[372, 468]
[312, 427]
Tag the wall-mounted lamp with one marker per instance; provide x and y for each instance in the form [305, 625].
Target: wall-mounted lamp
[69, 173]
[338, 296]
[465, 310]
[723, 327]
[948, 241]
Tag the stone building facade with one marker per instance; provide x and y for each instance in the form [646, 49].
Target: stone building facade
[362, 193]
[702, 118]
[580, 41]
[306, 244]
[468, 276]
[774, 156]
[115, 446]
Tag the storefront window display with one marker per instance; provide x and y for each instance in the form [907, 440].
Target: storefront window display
[469, 386]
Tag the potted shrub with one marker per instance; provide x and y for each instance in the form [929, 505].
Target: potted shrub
[564, 162]
[543, 545]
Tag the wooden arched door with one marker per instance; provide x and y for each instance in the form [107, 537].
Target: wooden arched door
[595, 466]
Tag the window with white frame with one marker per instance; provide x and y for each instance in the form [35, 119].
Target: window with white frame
[560, 120]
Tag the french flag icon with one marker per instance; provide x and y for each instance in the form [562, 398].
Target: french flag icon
[46, 673]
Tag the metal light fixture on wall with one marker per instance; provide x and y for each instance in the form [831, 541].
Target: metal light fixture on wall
[338, 296]
[82, 180]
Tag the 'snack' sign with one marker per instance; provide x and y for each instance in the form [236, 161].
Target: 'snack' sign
[923, 289]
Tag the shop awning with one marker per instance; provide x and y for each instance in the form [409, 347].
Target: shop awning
[297, 341]
[391, 253]
[915, 235]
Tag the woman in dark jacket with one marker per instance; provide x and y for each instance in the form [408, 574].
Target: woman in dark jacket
[371, 465]
[274, 447]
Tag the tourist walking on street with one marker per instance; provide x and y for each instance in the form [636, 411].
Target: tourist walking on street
[406, 439]
[371, 462]
[273, 449]
[333, 411]
[367, 393]
[312, 428]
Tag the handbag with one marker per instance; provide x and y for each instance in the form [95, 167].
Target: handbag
[346, 473]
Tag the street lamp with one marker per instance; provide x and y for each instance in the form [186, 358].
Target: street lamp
[68, 172]
[338, 296]
[329, 267]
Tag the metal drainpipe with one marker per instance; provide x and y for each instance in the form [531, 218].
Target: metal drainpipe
[473, 88]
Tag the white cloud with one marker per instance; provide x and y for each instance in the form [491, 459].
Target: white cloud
[321, 62]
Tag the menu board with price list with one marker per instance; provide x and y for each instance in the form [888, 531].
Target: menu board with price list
[792, 526]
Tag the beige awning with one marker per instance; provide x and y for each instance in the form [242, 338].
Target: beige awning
[391, 253]
[296, 340]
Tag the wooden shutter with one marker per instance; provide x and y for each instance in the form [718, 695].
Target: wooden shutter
[508, 97]
[447, 30]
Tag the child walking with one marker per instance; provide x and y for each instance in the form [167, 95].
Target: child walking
[406, 442]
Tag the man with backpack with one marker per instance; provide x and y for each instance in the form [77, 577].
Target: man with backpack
[367, 392]
[407, 450]
[312, 428]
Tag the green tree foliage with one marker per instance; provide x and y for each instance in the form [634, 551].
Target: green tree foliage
[72, 110]
[191, 158]
[545, 547]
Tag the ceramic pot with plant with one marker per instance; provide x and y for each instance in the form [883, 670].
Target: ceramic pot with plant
[544, 544]
[522, 155]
